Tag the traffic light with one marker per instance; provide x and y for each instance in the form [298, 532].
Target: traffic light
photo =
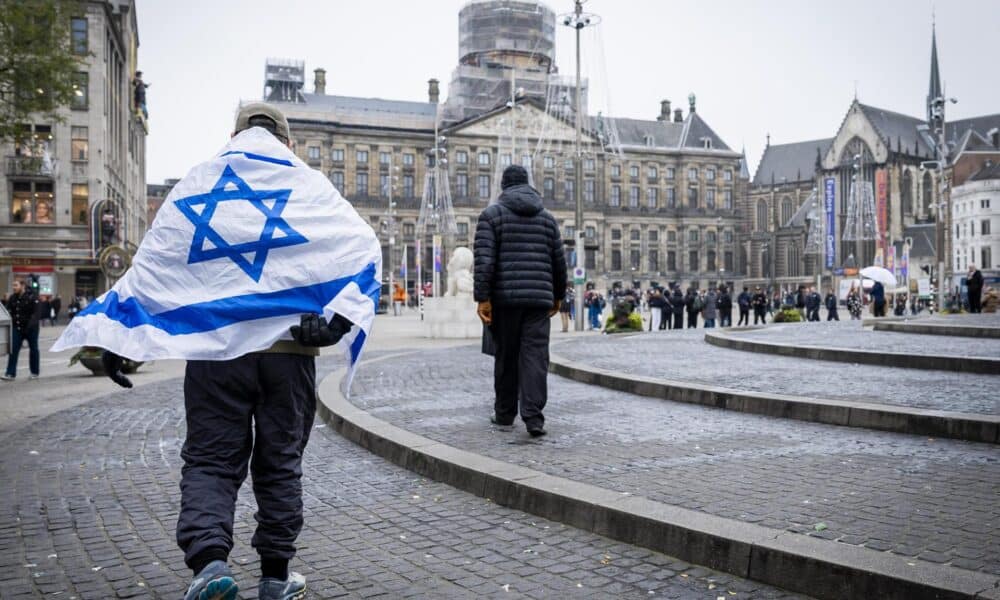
[34, 283]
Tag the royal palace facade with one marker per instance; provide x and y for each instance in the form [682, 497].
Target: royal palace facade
[660, 197]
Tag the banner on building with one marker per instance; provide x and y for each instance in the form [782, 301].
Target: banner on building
[881, 206]
[829, 202]
[879, 258]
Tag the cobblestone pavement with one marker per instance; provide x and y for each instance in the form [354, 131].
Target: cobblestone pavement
[968, 320]
[938, 500]
[684, 356]
[91, 498]
[852, 336]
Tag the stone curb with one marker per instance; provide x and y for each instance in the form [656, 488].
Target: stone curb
[943, 329]
[958, 364]
[821, 568]
[897, 419]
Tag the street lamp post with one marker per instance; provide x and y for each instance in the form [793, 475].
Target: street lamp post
[937, 125]
[578, 20]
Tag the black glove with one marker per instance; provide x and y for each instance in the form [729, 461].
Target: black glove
[113, 368]
[314, 331]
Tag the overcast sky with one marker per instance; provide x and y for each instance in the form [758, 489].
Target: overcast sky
[789, 68]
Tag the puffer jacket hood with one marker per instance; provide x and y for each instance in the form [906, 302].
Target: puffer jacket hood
[522, 199]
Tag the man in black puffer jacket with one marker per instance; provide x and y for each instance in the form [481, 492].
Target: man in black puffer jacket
[520, 279]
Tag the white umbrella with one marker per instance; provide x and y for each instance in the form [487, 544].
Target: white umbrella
[884, 276]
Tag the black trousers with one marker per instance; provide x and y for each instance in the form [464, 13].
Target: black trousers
[521, 367]
[976, 301]
[744, 316]
[692, 320]
[759, 314]
[678, 320]
[256, 410]
[831, 315]
[664, 318]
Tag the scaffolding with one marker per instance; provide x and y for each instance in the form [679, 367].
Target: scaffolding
[497, 37]
[284, 79]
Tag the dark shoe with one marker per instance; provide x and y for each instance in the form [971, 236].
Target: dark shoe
[292, 588]
[214, 582]
[535, 433]
[497, 421]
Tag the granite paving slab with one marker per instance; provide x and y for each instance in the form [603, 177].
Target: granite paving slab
[930, 499]
[91, 498]
[684, 356]
[852, 336]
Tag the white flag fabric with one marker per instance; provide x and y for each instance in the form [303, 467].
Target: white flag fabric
[242, 247]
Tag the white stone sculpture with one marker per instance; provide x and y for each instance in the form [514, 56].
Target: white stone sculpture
[460, 282]
[453, 315]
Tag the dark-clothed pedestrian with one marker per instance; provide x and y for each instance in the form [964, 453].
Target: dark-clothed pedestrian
[693, 305]
[759, 303]
[724, 302]
[974, 281]
[520, 276]
[667, 322]
[678, 304]
[25, 316]
[878, 298]
[743, 301]
[813, 302]
[831, 306]
[45, 311]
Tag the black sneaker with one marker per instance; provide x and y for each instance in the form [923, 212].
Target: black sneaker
[535, 433]
[500, 423]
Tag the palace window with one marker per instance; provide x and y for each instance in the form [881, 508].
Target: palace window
[361, 157]
[337, 179]
[407, 186]
[549, 188]
[461, 157]
[361, 183]
[652, 197]
[484, 186]
[484, 158]
[462, 185]
[616, 195]
[633, 196]
[588, 190]
[337, 155]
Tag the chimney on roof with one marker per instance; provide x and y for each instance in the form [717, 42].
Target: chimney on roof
[433, 91]
[664, 111]
[319, 83]
[678, 116]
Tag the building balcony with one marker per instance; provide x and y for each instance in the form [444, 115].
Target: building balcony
[28, 166]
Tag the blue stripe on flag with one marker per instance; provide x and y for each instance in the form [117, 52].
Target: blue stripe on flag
[215, 314]
[262, 158]
[357, 344]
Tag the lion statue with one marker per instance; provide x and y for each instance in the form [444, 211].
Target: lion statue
[460, 282]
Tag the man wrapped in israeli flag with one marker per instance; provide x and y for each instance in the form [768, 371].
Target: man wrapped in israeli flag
[253, 263]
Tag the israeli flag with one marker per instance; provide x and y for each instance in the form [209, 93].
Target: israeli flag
[242, 247]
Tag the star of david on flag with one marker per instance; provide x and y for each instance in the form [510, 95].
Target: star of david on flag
[299, 246]
[230, 187]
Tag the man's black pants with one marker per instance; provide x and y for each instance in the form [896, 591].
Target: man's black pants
[678, 320]
[744, 317]
[256, 410]
[759, 315]
[521, 364]
[975, 301]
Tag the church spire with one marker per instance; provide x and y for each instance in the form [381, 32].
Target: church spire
[934, 89]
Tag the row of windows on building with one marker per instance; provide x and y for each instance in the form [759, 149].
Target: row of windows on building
[967, 256]
[653, 261]
[33, 202]
[788, 209]
[549, 162]
[963, 230]
[483, 190]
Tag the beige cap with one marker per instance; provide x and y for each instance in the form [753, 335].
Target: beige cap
[262, 109]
